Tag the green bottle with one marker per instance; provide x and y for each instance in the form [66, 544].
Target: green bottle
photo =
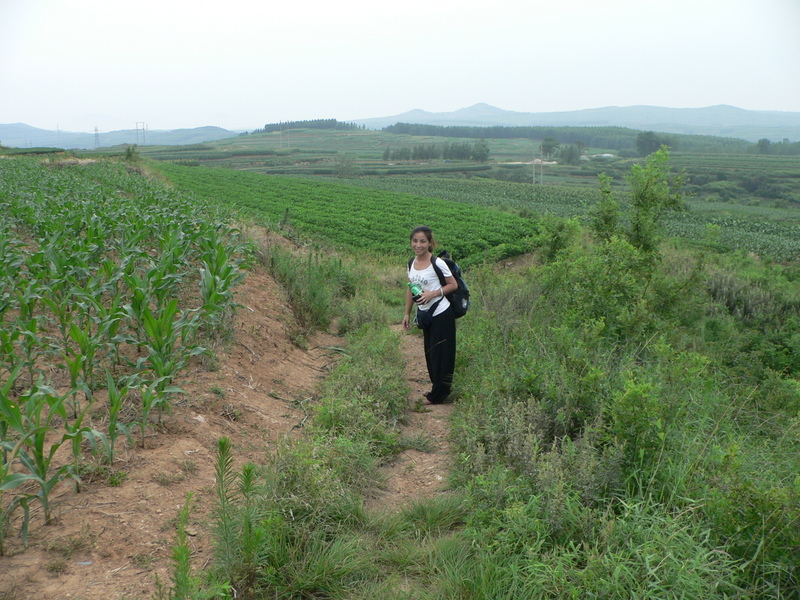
[416, 290]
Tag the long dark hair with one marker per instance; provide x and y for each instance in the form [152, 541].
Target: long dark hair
[428, 234]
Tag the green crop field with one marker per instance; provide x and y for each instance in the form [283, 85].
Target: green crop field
[361, 218]
[493, 220]
[724, 174]
[718, 170]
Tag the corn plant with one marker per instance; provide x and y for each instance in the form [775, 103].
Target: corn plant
[11, 258]
[139, 291]
[8, 340]
[30, 342]
[74, 363]
[5, 299]
[82, 363]
[155, 395]
[167, 341]
[216, 288]
[98, 331]
[62, 307]
[31, 420]
[27, 323]
[111, 316]
[167, 273]
[116, 395]
[9, 479]
[76, 433]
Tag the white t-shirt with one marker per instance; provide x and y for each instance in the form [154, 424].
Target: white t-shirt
[429, 281]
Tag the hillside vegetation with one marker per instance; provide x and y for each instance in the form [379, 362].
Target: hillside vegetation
[626, 419]
[721, 170]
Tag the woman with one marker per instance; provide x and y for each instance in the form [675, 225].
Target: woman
[438, 325]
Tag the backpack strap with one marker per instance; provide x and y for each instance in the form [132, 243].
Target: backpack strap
[439, 274]
[437, 269]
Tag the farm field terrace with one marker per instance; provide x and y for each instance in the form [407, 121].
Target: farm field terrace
[361, 218]
[725, 170]
[769, 231]
[495, 219]
[109, 285]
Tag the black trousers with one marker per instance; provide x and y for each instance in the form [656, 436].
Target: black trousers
[440, 354]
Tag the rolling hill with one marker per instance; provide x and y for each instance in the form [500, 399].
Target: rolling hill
[19, 135]
[722, 120]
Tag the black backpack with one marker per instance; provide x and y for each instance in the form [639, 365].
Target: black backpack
[459, 299]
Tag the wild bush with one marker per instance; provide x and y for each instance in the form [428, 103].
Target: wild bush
[613, 356]
[532, 548]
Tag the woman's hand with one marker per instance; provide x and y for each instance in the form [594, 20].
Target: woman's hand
[426, 297]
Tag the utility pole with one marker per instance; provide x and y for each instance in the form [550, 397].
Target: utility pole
[144, 126]
[541, 171]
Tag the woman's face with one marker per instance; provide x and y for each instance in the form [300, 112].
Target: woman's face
[420, 243]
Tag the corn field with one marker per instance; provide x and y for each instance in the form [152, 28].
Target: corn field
[109, 283]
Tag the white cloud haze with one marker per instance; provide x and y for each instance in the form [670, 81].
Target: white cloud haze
[81, 64]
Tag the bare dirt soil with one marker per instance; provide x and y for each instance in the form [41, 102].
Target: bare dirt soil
[111, 542]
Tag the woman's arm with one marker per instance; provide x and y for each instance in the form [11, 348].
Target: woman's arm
[409, 304]
[450, 286]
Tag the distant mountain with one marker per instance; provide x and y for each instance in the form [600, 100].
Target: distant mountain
[19, 135]
[722, 120]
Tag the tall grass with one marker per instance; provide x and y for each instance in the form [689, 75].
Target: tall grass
[325, 289]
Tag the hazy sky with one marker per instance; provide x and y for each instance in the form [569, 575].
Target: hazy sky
[81, 64]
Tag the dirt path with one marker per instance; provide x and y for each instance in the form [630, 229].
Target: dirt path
[418, 475]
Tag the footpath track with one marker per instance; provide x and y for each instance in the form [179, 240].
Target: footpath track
[418, 475]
